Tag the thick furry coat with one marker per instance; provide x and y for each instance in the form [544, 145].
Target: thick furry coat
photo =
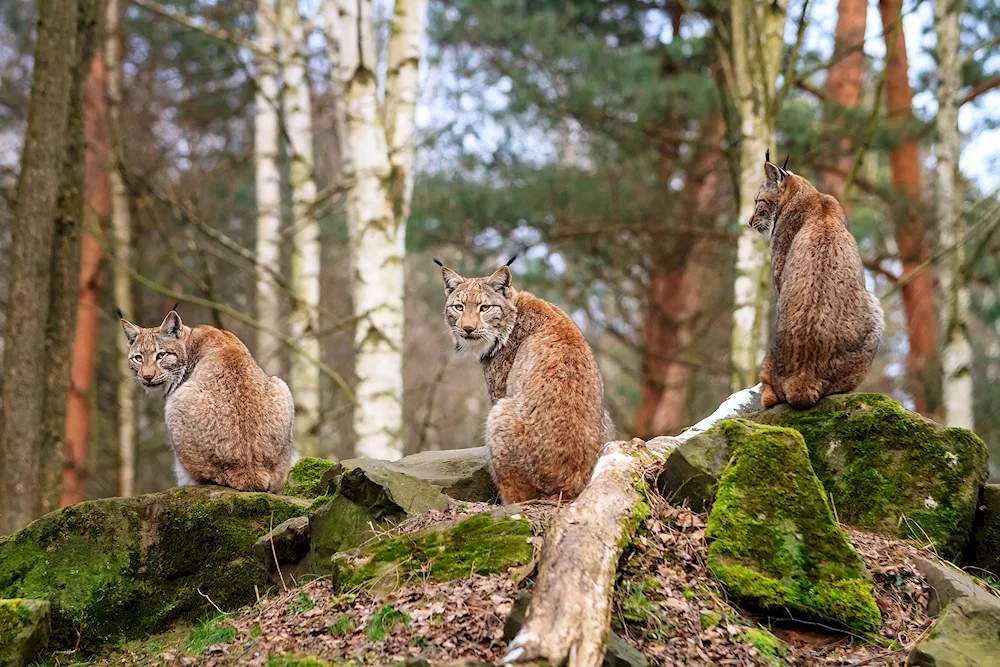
[829, 325]
[228, 423]
[548, 422]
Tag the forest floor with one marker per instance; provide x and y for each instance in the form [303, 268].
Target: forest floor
[666, 605]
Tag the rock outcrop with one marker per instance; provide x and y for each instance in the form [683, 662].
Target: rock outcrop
[774, 543]
[983, 551]
[966, 635]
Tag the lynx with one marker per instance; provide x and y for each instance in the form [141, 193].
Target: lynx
[829, 325]
[548, 422]
[228, 423]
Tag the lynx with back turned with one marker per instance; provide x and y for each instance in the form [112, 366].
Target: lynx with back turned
[548, 421]
[829, 325]
[228, 423]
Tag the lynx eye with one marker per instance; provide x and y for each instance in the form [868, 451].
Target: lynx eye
[137, 358]
[483, 308]
[457, 306]
[160, 355]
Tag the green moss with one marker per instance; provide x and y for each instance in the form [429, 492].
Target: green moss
[304, 477]
[214, 630]
[341, 626]
[302, 603]
[128, 567]
[891, 470]
[775, 543]
[768, 647]
[710, 620]
[291, 660]
[478, 545]
[13, 615]
[384, 620]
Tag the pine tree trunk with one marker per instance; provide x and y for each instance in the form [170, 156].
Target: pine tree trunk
[758, 43]
[843, 87]
[304, 321]
[378, 190]
[674, 299]
[59, 332]
[30, 264]
[121, 247]
[268, 188]
[957, 356]
[920, 310]
[97, 214]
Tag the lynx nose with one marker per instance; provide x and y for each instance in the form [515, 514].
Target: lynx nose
[148, 376]
[468, 329]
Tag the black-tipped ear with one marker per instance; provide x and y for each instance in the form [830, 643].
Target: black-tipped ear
[437, 261]
[500, 280]
[119, 311]
[767, 155]
[772, 174]
[171, 325]
[131, 330]
[175, 305]
[511, 260]
[784, 167]
[451, 279]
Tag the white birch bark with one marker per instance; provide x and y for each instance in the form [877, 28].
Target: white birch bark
[957, 357]
[268, 187]
[758, 43]
[304, 320]
[378, 203]
[121, 249]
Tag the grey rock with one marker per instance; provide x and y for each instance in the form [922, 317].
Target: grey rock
[984, 545]
[462, 474]
[691, 472]
[966, 635]
[950, 585]
[283, 547]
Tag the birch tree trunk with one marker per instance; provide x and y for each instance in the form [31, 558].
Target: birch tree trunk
[957, 356]
[304, 321]
[918, 293]
[121, 248]
[758, 42]
[268, 187]
[30, 263]
[378, 203]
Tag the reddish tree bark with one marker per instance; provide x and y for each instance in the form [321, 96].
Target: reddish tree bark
[843, 86]
[98, 204]
[923, 362]
[674, 298]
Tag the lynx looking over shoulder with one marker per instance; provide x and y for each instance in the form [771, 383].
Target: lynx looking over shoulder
[829, 325]
[228, 423]
[548, 421]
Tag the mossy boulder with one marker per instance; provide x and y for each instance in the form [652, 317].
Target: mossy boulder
[967, 634]
[774, 542]
[983, 550]
[127, 567]
[462, 474]
[24, 631]
[486, 543]
[889, 469]
[691, 472]
[306, 478]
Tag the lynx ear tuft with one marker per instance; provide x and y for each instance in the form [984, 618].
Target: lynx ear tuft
[767, 155]
[784, 167]
[119, 311]
[438, 262]
[511, 260]
[175, 305]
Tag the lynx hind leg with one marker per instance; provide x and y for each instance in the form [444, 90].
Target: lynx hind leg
[803, 391]
[183, 478]
[508, 464]
[249, 479]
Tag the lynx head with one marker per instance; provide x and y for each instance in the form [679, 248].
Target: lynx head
[158, 356]
[768, 197]
[480, 312]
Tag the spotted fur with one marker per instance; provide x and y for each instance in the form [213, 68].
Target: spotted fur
[548, 421]
[829, 325]
[228, 423]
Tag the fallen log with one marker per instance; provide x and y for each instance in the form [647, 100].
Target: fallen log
[569, 617]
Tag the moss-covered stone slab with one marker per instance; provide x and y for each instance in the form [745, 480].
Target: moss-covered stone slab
[462, 474]
[774, 542]
[127, 567]
[983, 551]
[967, 634]
[483, 544]
[691, 472]
[891, 470]
[24, 631]
[307, 478]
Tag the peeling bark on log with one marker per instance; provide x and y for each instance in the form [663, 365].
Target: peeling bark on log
[569, 618]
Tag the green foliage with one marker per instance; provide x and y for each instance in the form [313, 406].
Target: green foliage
[291, 660]
[775, 543]
[214, 630]
[342, 625]
[302, 603]
[384, 620]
